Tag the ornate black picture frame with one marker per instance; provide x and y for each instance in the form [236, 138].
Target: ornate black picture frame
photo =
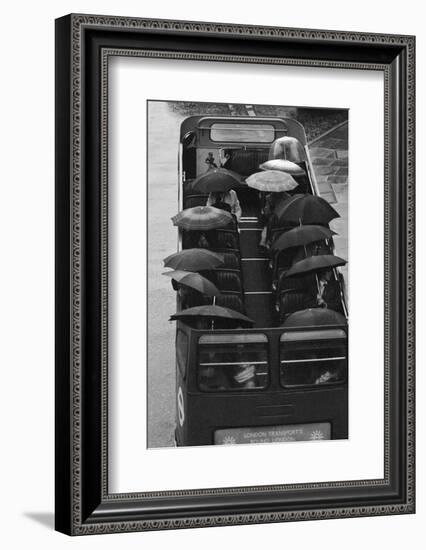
[84, 44]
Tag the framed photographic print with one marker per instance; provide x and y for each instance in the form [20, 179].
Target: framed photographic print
[234, 274]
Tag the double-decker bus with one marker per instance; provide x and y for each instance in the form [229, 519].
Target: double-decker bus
[298, 388]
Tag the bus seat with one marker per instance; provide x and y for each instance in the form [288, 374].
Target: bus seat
[246, 161]
[232, 301]
[230, 262]
[306, 283]
[224, 238]
[187, 187]
[275, 232]
[194, 200]
[228, 280]
[235, 252]
[290, 301]
[282, 261]
[198, 239]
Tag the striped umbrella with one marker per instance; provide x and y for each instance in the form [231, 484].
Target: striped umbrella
[202, 218]
[284, 166]
[272, 181]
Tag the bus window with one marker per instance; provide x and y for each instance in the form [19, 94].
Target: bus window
[181, 351]
[242, 133]
[233, 362]
[313, 362]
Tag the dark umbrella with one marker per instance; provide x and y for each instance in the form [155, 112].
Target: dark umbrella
[194, 259]
[194, 281]
[218, 179]
[306, 209]
[211, 312]
[313, 264]
[202, 218]
[301, 236]
[314, 317]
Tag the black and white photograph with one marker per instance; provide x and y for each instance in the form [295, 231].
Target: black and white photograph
[247, 254]
[234, 321]
[210, 255]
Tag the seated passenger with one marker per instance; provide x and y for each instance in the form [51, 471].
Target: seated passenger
[229, 376]
[188, 297]
[244, 376]
[327, 293]
[327, 376]
[225, 238]
[197, 239]
[228, 280]
[226, 201]
[323, 282]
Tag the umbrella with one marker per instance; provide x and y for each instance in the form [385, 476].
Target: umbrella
[288, 148]
[202, 218]
[314, 263]
[284, 166]
[314, 317]
[194, 281]
[211, 312]
[218, 179]
[306, 209]
[273, 181]
[301, 236]
[194, 259]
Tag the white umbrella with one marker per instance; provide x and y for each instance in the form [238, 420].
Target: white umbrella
[283, 166]
[272, 181]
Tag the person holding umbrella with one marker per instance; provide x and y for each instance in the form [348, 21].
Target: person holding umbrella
[270, 201]
[220, 183]
[192, 288]
[274, 186]
[323, 267]
[323, 283]
[241, 376]
[226, 200]
[327, 295]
